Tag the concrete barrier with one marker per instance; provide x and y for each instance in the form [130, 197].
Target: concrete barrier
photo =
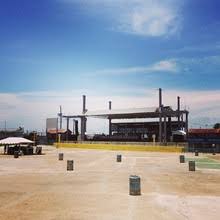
[70, 165]
[135, 185]
[38, 150]
[118, 158]
[60, 156]
[182, 159]
[192, 166]
[120, 147]
[16, 154]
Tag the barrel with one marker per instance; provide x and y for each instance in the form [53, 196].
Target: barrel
[192, 166]
[16, 154]
[60, 156]
[135, 185]
[196, 153]
[38, 150]
[182, 159]
[118, 158]
[69, 165]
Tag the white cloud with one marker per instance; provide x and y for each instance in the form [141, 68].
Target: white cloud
[140, 17]
[169, 66]
[31, 109]
[164, 66]
[151, 18]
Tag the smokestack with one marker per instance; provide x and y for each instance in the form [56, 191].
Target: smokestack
[84, 104]
[110, 105]
[178, 103]
[160, 115]
[110, 121]
[160, 97]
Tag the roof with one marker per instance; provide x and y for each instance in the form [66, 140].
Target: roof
[121, 113]
[56, 131]
[15, 140]
[179, 132]
[149, 112]
[204, 131]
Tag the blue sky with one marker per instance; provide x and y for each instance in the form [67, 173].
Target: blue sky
[108, 48]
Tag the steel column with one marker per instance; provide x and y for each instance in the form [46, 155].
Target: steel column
[110, 121]
[160, 115]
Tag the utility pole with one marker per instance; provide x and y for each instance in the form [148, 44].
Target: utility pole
[160, 115]
[178, 110]
[110, 121]
[61, 117]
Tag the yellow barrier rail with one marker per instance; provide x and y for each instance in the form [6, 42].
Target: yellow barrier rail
[121, 147]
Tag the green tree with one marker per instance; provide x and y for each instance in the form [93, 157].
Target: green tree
[217, 125]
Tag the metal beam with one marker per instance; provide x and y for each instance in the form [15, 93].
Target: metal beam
[84, 104]
[110, 121]
[178, 111]
[67, 129]
[187, 124]
[165, 129]
[83, 128]
[160, 115]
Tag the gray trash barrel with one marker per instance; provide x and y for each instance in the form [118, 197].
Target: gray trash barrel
[192, 166]
[118, 158]
[197, 153]
[16, 154]
[60, 156]
[182, 159]
[135, 185]
[70, 165]
[38, 150]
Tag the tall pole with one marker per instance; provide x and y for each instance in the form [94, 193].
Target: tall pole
[67, 128]
[83, 120]
[182, 122]
[187, 124]
[165, 129]
[61, 117]
[84, 104]
[160, 115]
[57, 139]
[110, 121]
[73, 126]
[178, 111]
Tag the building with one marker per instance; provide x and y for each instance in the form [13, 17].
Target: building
[167, 120]
[17, 132]
[143, 131]
[204, 140]
[54, 135]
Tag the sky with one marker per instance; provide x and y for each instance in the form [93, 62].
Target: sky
[54, 51]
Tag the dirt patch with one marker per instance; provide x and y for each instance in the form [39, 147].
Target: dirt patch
[39, 187]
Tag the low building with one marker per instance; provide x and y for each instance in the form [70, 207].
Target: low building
[17, 132]
[54, 135]
[143, 131]
[204, 140]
